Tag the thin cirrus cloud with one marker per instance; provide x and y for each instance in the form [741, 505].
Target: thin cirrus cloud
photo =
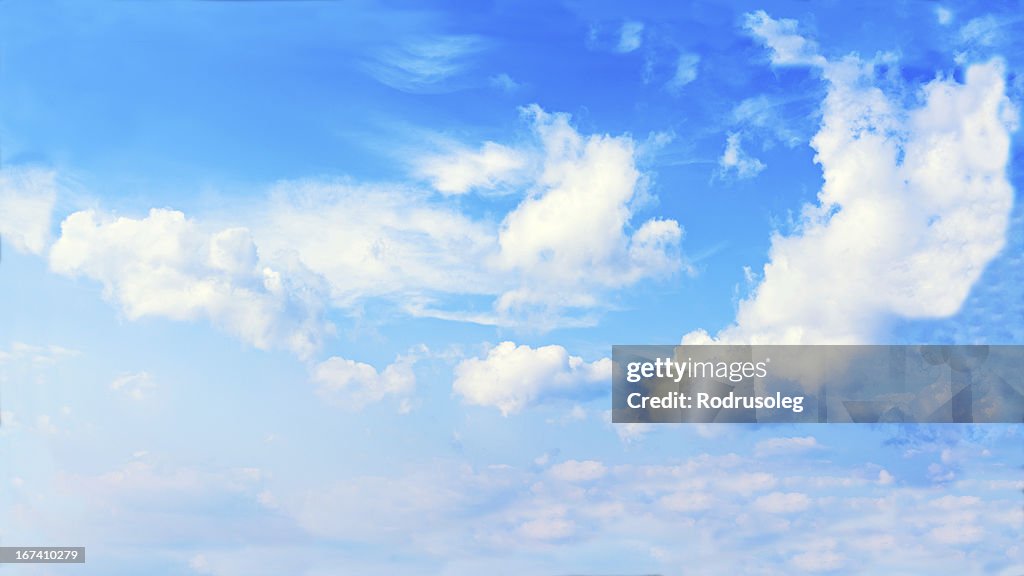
[916, 202]
[27, 198]
[685, 72]
[429, 64]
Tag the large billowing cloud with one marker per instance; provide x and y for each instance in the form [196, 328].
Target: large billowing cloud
[170, 266]
[267, 275]
[548, 261]
[27, 196]
[915, 203]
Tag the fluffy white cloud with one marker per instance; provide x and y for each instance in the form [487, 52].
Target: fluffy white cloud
[512, 377]
[548, 527]
[630, 36]
[466, 170]
[822, 558]
[548, 261]
[578, 470]
[915, 204]
[782, 502]
[788, 47]
[552, 242]
[736, 161]
[686, 72]
[167, 265]
[27, 196]
[353, 384]
[788, 445]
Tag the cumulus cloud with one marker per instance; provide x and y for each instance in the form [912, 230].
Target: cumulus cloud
[552, 243]
[915, 203]
[27, 197]
[630, 36]
[789, 445]
[546, 262]
[782, 502]
[513, 377]
[466, 170]
[736, 161]
[353, 384]
[578, 471]
[169, 266]
[788, 47]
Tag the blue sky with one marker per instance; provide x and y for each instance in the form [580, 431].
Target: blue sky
[330, 288]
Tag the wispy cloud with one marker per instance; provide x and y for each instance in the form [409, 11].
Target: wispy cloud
[685, 72]
[427, 64]
[736, 161]
[630, 36]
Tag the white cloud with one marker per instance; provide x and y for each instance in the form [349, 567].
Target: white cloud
[548, 262]
[687, 501]
[782, 502]
[36, 354]
[957, 534]
[551, 242]
[686, 72]
[578, 471]
[822, 559]
[505, 83]
[169, 266]
[137, 386]
[735, 160]
[465, 170]
[943, 15]
[761, 114]
[513, 377]
[788, 47]
[353, 385]
[424, 65]
[551, 527]
[545, 263]
[788, 445]
[630, 36]
[27, 197]
[983, 31]
[915, 204]
[749, 483]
